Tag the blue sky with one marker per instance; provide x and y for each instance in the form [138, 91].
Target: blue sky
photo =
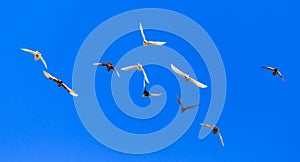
[39, 122]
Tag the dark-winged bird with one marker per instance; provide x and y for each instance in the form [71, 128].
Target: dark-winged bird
[274, 71]
[182, 107]
[215, 130]
[147, 94]
[60, 83]
[109, 66]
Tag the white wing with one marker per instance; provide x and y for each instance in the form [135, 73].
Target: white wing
[97, 64]
[44, 62]
[28, 51]
[177, 71]
[268, 67]
[129, 67]
[155, 94]
[221, 139]
[145, 75]
[207, 126]
[117, 72]
[142, 32]
[197, 83]
[156, 43]
[73, 93]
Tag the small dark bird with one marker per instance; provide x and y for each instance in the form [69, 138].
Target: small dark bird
[215, 130]
[147, 94]
[184, 108]
[60, 83]
[274, 71]
[108, 65]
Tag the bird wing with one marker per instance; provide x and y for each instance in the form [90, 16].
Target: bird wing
[155, 94]
[97, 64]
[156, 43]
[197, 83]
[177, 71]
[268, 67]
[69, 90]
[28, 51]
[221, 139]
[50, 76]
[190, 107]
[142, 32]
[207, 126]
[116, 71]
[281, 76]
[130, 67]
[179, 101]
[145, 75]
[44, 62]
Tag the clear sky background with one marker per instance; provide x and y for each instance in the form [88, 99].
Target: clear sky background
[39, 122]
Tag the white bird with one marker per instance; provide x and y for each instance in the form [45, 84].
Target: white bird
[214, 130]
[37, 55]
[146, 93]
[187, 77]
[60, 83]
[139, 67]
[146, 42]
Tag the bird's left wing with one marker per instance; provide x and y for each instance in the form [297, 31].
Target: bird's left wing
[281, 76]
[28, 51]
[155, 94]
[177, 71]
[50, 76]
[129, 67]
[145, 75]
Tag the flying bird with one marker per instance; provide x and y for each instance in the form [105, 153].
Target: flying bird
[109, 66]
[181, 105]
[215, 130]
[147, 94]
[37, 55]
[146, 42]
[274, 71]
[60, 83]
[139, 67]
[187, 77]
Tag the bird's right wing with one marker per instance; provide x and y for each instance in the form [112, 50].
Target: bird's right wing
[221, 139]
[207, 126]
[155, 94]
[177, 71]
[116, 71]
[268, 67]
[145, 75]
[156, 43]
[50, 76]
[190, 107]
[73, 93]
[281, 76]
[198, 83]
[44, 62]
[142, 32]
[28, 51]
[130, 67]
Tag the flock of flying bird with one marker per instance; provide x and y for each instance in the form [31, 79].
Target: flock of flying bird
[139, 67]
